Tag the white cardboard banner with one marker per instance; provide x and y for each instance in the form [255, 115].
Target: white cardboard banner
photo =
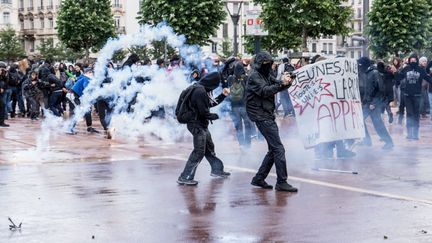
[327, 103]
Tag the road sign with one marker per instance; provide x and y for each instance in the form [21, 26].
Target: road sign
[254, 24]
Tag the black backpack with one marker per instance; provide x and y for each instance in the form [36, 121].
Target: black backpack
[184, 111]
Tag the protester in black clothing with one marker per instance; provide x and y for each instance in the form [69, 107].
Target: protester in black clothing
[260, 105]
[242, 123]
[201, 99]
[388, 79]
[411, 78]
[15, 82]
[3, 84]
[372, 94]
[33, 94]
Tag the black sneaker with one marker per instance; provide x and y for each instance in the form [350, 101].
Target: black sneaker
[261, 183]
[182, 181]
[222, 174]
[92, 130]
[4, 125]
[284, 186]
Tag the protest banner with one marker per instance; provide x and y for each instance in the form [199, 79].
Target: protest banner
[327, 103]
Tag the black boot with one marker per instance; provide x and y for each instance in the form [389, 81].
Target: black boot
[261, 183]
[284, 186]
[4, 124]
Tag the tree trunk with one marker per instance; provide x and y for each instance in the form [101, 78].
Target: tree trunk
[87, 55]
[304, 40]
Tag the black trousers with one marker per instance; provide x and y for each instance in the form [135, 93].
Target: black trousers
[105, 111]
[412, 104]
[2, 108]
[87, 116]
[377, 122]
[276, 153]
[34, 107]
[203, 147]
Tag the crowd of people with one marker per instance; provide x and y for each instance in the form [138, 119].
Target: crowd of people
[256, 91]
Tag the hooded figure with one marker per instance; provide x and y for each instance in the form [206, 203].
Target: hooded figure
[260, 105]
[201, 99]
[372, 94]
[410, 79]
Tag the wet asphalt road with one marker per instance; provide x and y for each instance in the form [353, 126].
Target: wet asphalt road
[77, 187]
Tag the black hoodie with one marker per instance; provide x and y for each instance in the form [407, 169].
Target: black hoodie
[410, 78]
[201, 101]
[261, 89]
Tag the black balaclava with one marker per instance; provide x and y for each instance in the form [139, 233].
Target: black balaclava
[263, 63]
[415, 64]
[364, 63]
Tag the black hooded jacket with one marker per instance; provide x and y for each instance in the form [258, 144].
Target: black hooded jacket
[410, 79]
[388, 79]
[201, 101]
[261, 90]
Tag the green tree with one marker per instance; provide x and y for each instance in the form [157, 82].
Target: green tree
[291, 22]
[399, 26]
[48, 51]
[85, 24]
[226, 48]
[10, 46]
[197, 20]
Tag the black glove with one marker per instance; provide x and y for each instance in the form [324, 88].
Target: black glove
[213, 116]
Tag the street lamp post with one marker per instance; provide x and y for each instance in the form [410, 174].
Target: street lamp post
[235, 17]
[365, 51]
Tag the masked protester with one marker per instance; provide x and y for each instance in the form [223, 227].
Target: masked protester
[260, 105]
[201, 99]
[411, 78]
[3, 86]
[372, 93]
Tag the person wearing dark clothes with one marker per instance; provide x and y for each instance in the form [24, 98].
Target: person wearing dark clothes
[411, 78]
[260, 106]
[105, 105]
[201, 100]
[15, 82]
[388, 79]
[3, 84]
[33, 93]
[242, 123]
[372, 94]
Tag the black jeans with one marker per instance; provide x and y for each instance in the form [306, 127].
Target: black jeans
[203, 146]
[34, 106]
[105, 111]
[276, 153]
[55, 102]
[412, 104]
[377, 122]
[2, 108]
[240, 119]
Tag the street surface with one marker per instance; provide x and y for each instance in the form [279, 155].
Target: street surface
[85, 188]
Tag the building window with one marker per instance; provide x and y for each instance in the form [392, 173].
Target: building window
[6, 18]
[6, 1]
[360, 26]
[330, 48]
[31, 3]
[324, 50]
[51, 23]
[314, 49]
[214, 47]
[359, 13]
[359, 54]
[117, 21]
[41, 3]
[42, 23]
[31, 23]
[225, 31]
[352, 54]
[21, 4]
[32, 45]
[22, 23]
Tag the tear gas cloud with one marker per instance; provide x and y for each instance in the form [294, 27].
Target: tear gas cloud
[161, 89]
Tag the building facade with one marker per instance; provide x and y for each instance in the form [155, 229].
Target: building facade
[8, 14]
